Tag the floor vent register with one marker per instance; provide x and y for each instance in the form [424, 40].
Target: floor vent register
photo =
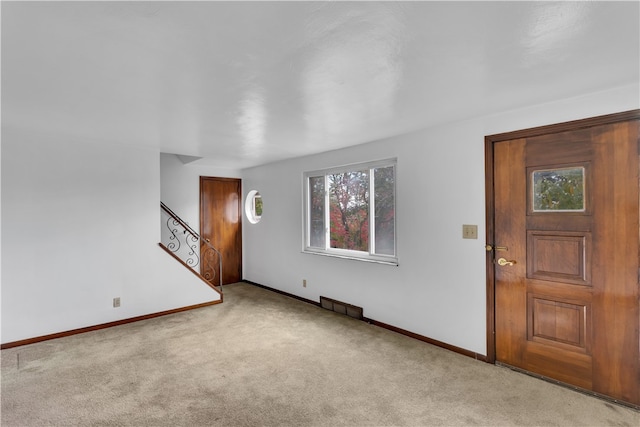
[341, 307]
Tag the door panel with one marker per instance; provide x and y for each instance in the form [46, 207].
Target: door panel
[221, 224]
[559, 322]
[566, 215]
[559, 256]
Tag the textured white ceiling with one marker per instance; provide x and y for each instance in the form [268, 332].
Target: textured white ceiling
[247, 83]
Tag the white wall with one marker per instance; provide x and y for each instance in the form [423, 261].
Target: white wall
[438, 289]
[180, 186]
[80, 226]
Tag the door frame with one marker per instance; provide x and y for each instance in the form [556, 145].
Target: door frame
[489, 142]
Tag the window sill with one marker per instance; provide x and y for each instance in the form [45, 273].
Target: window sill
[393, 262]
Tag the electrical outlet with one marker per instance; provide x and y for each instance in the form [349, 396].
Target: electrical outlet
[116, 302]
[469, 231]
[304, 283]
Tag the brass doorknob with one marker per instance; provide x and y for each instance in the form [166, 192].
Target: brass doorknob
[502, 262]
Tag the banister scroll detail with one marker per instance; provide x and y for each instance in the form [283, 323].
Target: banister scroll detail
[184, 242]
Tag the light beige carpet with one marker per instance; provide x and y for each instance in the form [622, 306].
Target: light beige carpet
[263, 359]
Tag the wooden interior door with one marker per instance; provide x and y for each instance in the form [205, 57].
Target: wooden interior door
[221, 225]
[566, 253]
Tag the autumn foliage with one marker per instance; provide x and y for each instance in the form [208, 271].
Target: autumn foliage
[349, 197]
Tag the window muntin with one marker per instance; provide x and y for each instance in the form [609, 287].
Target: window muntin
[350, 211]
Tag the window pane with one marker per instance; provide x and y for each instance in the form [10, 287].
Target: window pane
[558, 190]
[349, 210]
[257, 205]
[316, 212]
[384, 198]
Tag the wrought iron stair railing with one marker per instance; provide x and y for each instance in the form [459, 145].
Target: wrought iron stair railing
[187, 245]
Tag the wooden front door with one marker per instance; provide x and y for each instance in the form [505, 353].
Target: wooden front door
[221, 225]
[565, 263]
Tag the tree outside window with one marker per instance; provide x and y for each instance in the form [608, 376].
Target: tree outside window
[351, 211]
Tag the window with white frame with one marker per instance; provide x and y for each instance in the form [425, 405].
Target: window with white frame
[253, 207]
[350, 211]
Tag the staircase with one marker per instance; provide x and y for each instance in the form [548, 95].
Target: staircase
[184, 244]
